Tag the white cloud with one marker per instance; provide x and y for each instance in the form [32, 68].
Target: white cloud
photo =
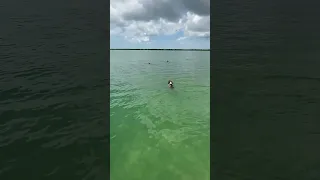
[181, 38]
[139, 20]
[197, 25]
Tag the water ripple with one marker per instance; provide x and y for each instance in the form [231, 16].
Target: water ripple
[154, 121]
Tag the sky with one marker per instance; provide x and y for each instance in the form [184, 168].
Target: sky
[180, 24]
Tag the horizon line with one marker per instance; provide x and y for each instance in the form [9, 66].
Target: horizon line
[158, 49]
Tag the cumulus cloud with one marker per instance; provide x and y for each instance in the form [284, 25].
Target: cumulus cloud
[139, 20]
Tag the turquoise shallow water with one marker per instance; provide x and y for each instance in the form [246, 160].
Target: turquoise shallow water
[157, 132]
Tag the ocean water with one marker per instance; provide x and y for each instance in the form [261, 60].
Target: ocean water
[265, 99]
[156, 132]
[53, 90]
[53, 119]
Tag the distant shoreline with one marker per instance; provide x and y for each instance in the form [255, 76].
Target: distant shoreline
[166, 49]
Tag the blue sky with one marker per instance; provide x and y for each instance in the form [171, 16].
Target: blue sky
[159, 24]
[161, 41]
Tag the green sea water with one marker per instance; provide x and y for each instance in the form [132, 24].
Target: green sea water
[158, 133]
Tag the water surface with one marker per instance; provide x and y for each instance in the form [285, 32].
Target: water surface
[265, 99]
[158, 132]
[53, 90]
